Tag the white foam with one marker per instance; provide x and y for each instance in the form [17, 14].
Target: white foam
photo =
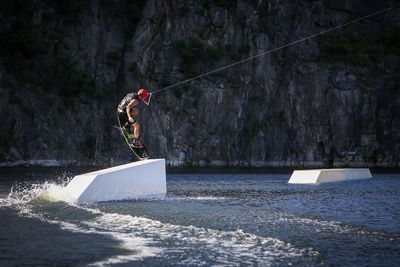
[22, 194]
[322, 225]
[207, 198]
[139, 246]
[148, 238]
[201, 198]
[224, 246]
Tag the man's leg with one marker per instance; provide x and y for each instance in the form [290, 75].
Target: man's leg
[135, 124]
[136, 130]
[134, 112]
[123, 120]
[136, 133]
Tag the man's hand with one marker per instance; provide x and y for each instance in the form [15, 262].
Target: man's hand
[131, 120]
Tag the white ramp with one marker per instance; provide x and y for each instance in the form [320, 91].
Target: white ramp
[328, 175]
[140, 179]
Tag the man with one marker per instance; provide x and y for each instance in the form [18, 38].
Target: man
[127, 113]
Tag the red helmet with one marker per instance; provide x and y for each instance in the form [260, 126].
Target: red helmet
[144, 95]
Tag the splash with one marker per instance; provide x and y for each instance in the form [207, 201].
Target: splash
[24, 193]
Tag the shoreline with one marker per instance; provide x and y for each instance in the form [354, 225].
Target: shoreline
[177, 170]
[215, 164]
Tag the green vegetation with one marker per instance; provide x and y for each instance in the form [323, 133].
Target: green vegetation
[197, 93]
[255, 129]
[112, 59]
[106, 91]
[197, 56]
[132, 68]
[167, 109]
[191, 98]
[282, 116]
[133, 12]
[208, 160]
[69, 9]
[368, 81]
[68, 80]
[359, 49]
[263, 25]
[191, 51]
[128, 12]
[13, 98]
[20, 41]
[178, 91]
[391, 41]
[223, 153]
[183, 11]
[227, 4]
[88, 146]
[247, 159]
[244, 49]
[4, 145]
[35, 55]
[165, 80]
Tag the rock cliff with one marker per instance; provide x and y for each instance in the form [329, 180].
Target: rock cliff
[333, 100]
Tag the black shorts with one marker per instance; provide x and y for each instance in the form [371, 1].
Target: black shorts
[123, 119]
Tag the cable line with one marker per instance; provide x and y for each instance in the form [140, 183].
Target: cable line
[277, 48]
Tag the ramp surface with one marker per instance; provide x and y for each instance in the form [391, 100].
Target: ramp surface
[328, 175]
[140, 179]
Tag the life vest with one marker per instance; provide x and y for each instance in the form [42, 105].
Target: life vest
[125, 101]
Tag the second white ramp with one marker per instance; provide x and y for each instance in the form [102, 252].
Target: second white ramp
[328, 175]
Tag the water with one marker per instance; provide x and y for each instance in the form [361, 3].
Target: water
[206, 219]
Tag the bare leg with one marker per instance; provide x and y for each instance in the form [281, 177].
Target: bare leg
[136, 125]
[136, 130]
[134, 112]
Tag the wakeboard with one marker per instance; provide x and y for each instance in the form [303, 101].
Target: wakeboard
[140, 151]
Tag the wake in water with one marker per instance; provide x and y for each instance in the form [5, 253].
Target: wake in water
[209, 222]
[222, 220]
[151, 239]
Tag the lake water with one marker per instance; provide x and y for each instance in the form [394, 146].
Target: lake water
[206, 219]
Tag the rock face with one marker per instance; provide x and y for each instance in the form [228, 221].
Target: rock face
[328, 101]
